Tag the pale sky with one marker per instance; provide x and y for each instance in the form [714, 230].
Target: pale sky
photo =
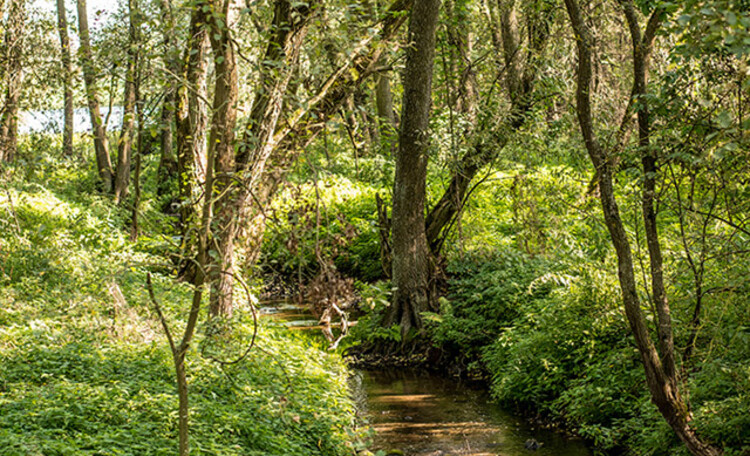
[106, 6]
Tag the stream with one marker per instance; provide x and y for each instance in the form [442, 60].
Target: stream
[424, 414]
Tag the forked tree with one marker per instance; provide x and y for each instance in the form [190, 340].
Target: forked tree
[658, 359]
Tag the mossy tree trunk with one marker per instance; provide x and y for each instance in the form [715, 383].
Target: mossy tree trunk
[411, 255]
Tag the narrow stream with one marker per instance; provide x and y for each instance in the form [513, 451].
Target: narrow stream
[424, 414]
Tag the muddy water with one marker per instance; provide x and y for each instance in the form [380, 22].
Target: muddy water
[424, 414]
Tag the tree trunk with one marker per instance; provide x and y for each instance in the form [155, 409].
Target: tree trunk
[387, 124]
[192, 120]
[67, 62]
[125, 144]
[660, 370]
[280, 62]
[168, 162]
[14, 79]
[134, 225]
[411, 261]
[135, 54]
[384, 234]
[101, 145]
[221, 154]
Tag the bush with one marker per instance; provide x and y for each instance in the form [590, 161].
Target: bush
[487, 292]
[346, 233]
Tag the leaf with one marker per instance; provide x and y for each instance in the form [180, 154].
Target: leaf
[731, 18]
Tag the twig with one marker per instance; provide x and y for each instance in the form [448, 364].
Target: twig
[12, 210]
[163, 321]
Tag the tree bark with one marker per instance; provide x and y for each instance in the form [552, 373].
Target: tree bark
[125, 144]
[136, 54]
[288, 30]
[660, 377]
[411, 261]
[14, 79]
[67, 63]
[221, 154]
[192, 121]
[101, 145]
[168, 163]
[387, 125]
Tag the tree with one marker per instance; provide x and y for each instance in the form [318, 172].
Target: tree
[301, 127]
[125, 143]
[387, 125]
[192, 119]
[67, 63]
[101, 144]
[659, 365]
[168, 162]
[411, 257]
[14, 74]
[241, 174]
[221, 157]
[520, 71]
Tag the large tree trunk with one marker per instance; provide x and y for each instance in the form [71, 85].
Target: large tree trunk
[14, 79]
[411, 256]
[101, 145]
[168, 162]
[280, 61]
[125, 144]
[221, 154]
[67, 62]
[659, 368]
[192, 121]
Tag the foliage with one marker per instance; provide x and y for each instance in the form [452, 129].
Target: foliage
[86, 369]
[487, 292]
[375, 298]
[564, 351]
[331, 219]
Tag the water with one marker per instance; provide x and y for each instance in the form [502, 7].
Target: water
[51, 120]
[423, 414]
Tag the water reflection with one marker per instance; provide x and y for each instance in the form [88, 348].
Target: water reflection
[423, 414]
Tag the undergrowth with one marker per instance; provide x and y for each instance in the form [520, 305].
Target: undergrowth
[86, 369]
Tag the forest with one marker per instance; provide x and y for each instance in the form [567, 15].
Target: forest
[375, 227]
